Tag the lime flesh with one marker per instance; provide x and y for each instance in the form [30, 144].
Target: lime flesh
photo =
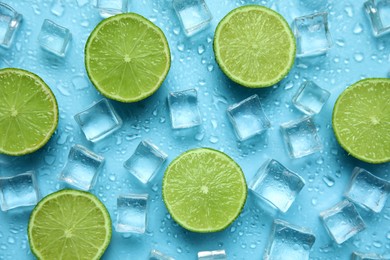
[127, 57]
[254, 46]
[69, 224]
[361, 120]
[28, 112]
[204, 190]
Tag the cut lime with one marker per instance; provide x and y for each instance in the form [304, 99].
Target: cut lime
[28, 112]
[204, 190]
[361, 120]
[254, 46]
[69, 224]
[127, 57]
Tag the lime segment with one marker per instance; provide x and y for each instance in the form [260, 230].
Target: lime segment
[361, 120]
[204, 190]
[127, 57]
[28, 112]
[254, 46]
[69, 224]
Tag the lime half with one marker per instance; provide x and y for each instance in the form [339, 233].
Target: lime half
[127, 57]
[204, 190]
[254, 46]
[361, 120]
[28, 112]
[69, 224]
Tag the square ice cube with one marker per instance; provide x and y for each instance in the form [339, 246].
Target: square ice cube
[194, 15]
[9, 23]
[19, 191]
[157, 255]
[301, 137]
[378, 12]
[342, 221]
[98, 121]
[109, 8]
[310, 98]
[277, 185]
[57, 7]
[368, 190]
[54, 38]
[132, 213]
[212, 255]
[82, 168]
[367, 256]
[183, 107]
[312, 34]
[145, 162]
[289, 242]
[248, 118]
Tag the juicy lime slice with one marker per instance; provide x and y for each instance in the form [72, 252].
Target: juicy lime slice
[127, 57]
[69, 224]
[204, 190]
[254, 46]
[28, 112]
[361, 120]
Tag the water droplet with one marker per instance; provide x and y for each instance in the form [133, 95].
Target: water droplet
[289, 85]
[213, 139]
[132, 137]
[314, 201]
[57, 7]
[377, 244]
[349, 10]
[358, 28]
[320, 160]
[358, 56]
[214, 123]
[199, 136]
[155, 187]
[328, 181]
[11, 240]
[176, 30]
[49, 159]
[210, 67]
[201, 49]
[232, 229]
[340, 43]
[112, 178]
[180, 47]
[179, 250]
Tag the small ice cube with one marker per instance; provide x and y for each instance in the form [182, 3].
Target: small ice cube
[19, 191]
[368, 190]
[54, 38]
[212, 255]
[9, 23]
[276, 184]
[183, 108]
[132, 213]
[145, 162]
[312, 34]
[378, 12]
[310, 98]
[98, 121]
[157, 255]
[342, 221]
[248, 118]
[194, 15]
[109, 8]
[367, 256]
[82, 168]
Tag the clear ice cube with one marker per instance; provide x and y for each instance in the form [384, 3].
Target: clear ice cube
[194, 15]
[289, 242]
[132, 213]
[57, 7]
[248, 118]
[109, 8]
[310, 98]
[378, 12]
[367, 256]
[212, 255]
[9, 23]
[312, 34]
[80, 82]
[82, 168]
[157, 255]
[98, 121]
[342, 221]
[19, 191]
[301, 137]
[145, 162]
[276, 185]
[54, 38]
[183, 107]
[368, 190]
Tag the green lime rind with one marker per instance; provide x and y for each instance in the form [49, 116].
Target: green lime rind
[204, 190]
[117, 42]
[52, 232]
[361, 120]
[248, 49]
[28, 118]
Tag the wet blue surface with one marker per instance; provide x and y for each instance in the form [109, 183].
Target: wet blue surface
[355, 54]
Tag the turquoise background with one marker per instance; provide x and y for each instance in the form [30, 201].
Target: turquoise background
[355, 54]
